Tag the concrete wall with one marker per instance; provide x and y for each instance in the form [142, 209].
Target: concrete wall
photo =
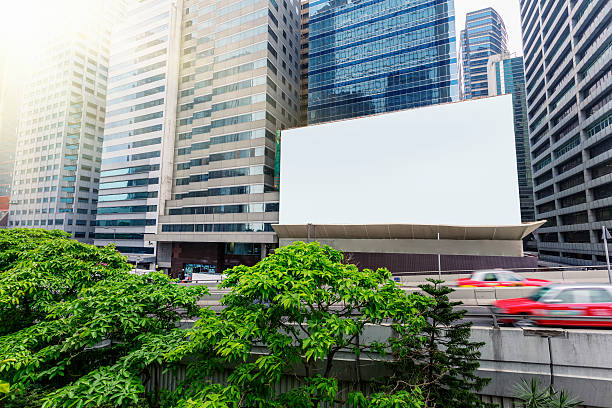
[582, 362]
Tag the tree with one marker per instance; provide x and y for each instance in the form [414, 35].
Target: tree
[77, 328]
[443, 364]
[295, 310]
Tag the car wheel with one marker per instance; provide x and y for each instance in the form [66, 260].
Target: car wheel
[526, 321]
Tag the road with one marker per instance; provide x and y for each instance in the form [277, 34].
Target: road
[479, 315]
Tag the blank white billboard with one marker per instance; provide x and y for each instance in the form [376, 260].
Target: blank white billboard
[451, 164]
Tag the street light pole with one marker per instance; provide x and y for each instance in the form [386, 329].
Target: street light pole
[439, 263]
[606, 234]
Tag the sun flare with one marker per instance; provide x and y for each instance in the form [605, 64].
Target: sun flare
[46, 18]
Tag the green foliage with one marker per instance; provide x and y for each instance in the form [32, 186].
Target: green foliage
[297, 309]
[4, 387]
[531, 395]
[77, 329]
[40, 268]
[78, 326]
[401, 399]
[443, 363]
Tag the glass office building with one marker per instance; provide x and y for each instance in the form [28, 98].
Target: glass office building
[484, 35]
[506, 74]
[61, 125]
[379, 56]
[135, 133]
[568, 72]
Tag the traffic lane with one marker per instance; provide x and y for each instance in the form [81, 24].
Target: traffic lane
[479, 316]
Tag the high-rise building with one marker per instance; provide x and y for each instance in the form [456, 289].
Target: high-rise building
[12, 77]
[484, 35]
[239, 83]
[568, 69]
[139, 128]
[506, 74]
[374, 57]
[57, 163]
[192, 178]
[304, 12]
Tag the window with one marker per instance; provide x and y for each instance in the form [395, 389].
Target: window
[575, 296]
[600, 296]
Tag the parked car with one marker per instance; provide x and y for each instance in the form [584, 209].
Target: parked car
[499, 277]
[579, 300]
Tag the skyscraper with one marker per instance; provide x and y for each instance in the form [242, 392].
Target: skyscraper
[12, 77]
[57, 163]
[202, 196]
[239, 83]
[506, 74]
[304, 12]
[484, 35]
[373, 57]
[139, 128]
[568, 53]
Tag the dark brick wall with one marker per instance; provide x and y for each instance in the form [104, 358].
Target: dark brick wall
[397, 263]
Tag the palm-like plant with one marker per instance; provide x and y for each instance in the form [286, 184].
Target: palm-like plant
[563, 400]
[531, 395]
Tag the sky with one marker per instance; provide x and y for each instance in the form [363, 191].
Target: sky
[43, 11]
[508, 9]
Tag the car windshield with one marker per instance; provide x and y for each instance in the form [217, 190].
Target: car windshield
[538, 295]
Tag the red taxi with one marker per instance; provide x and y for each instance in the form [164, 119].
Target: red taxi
[579, 300]
[499, 277]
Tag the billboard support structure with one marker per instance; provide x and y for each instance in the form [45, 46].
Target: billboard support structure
[439, 263]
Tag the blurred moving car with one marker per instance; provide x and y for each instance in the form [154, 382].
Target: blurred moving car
[584, 300]
[499, 277]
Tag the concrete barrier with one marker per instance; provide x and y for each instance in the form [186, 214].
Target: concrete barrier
[469, 296]
[563, 276]
[582, 362]
[485, 296]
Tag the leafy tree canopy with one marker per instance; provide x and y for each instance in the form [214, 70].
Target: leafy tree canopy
[297, 309]
[76, 327]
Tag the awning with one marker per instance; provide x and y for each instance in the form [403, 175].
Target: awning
[407, 231]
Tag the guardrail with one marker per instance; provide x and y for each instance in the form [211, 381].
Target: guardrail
[200, 281]
[538, 269]
[527, 318]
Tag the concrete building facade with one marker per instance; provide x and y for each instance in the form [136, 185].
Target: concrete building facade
[238, 81]
[140, 126]
[375, 57]
[484, 35]
[568, 69]
[12, 78]
[506, 74]
[57, 162]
